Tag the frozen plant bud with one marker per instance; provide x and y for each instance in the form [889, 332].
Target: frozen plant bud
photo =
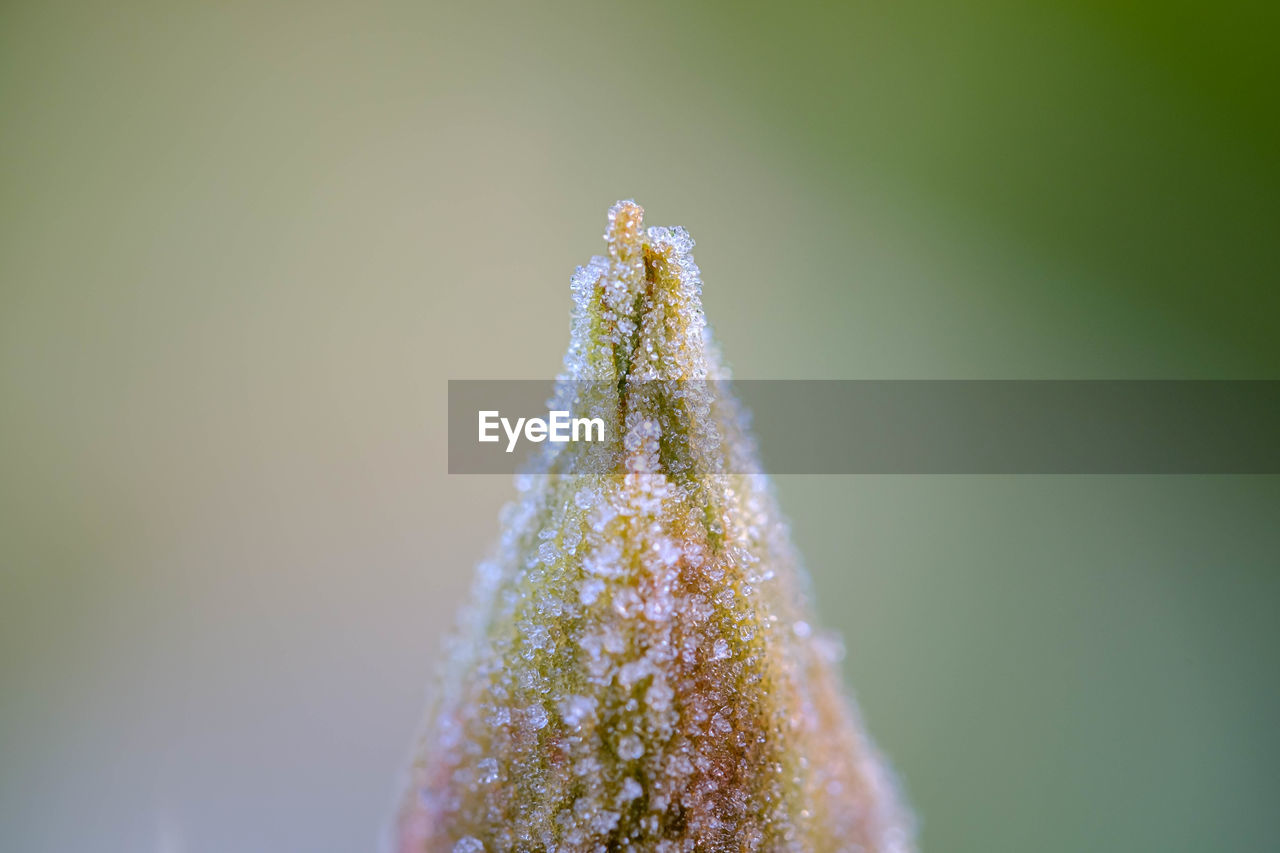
[637, 669]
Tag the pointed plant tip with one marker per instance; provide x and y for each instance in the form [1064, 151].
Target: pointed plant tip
[628, 208]
[636, 670]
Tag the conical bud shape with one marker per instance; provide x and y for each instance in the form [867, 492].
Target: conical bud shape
[637, 670]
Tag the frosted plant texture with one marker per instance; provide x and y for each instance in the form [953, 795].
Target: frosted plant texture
[637, 669]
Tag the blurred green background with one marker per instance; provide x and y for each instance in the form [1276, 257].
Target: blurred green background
[244, 245]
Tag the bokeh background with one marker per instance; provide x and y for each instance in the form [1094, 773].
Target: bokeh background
[243, 245]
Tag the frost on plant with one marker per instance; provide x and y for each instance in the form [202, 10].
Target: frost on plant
[636, 670]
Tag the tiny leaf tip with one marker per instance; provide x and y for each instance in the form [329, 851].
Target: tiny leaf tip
[637, 669]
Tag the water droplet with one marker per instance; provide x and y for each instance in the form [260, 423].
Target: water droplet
[630, 747]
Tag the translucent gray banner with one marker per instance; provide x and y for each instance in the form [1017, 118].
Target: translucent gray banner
[893, 426]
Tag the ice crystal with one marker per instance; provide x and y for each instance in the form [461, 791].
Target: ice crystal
[637, 670]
